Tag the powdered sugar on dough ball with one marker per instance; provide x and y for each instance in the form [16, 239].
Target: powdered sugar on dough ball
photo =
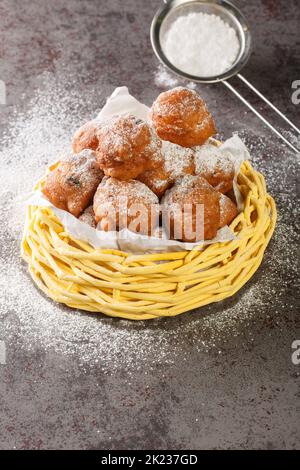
[88, 217]
[71, 186]
[181, 116]
[216, 166]
[178, 161]
[195, 195]
[127, 147]
[125, 204]
[157, 180]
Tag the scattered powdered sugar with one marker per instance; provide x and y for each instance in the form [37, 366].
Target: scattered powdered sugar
[38, 137]
[294, 139]
[34, 323]
[166, 80]
[201, 44]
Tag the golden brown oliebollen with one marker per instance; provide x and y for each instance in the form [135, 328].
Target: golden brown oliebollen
[72, 185]
[88, 217]
[182, 206]
[177, 161]
[126, 204]
[181, 116]
[215, 166]
[127, 147]
[228, 211]
[86, 136]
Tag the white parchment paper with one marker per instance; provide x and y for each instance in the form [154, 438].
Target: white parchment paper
[121, 102]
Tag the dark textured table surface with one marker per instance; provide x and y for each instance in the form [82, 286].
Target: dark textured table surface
[218, 377]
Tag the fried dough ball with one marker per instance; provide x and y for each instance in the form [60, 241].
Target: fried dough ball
[127, 147]
[179, 205]
[71, 186]
[86, 136]
[125, 204]
[181, 116]
[228, 210]
[88, 217]
[177, 161]
[215, 166]
[157, 180]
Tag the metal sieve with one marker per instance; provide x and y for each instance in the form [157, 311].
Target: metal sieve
[230, 14]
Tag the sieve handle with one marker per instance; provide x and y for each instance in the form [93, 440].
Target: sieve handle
[252, 87]
[258, 114]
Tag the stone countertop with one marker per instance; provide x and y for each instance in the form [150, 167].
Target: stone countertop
[218, 377]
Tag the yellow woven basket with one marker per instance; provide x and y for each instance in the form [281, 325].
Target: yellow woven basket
[142, 287]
